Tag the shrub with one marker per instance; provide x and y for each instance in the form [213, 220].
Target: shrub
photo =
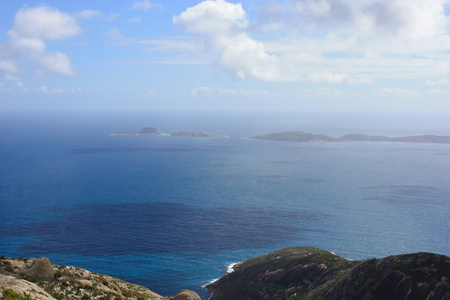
[9, 294]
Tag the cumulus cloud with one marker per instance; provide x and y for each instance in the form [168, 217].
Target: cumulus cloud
[26, 41]
[89, 14]
[145, 5]
[221, 27]
[335, 41]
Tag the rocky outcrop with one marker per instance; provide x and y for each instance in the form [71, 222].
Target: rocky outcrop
[33, 277]
[187, 295]
[40, 269]
[311, 273]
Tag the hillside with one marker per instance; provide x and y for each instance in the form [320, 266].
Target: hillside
[290, 273]
[311, 273]
[39, 279]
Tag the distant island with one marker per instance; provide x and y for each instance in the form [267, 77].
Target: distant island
[154, 131]
[299, 136]
[144, 131]
[196, 134]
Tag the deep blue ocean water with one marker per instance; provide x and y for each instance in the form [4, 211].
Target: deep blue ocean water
[171, 213]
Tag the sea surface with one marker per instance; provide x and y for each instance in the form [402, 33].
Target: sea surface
[172, 213]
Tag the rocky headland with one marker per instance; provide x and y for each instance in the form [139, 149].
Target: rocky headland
[290, 273]
[299, 136]
[311, 273]
[39, 279]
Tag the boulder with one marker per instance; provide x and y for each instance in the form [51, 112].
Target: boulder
[41, 269]
[187, 295]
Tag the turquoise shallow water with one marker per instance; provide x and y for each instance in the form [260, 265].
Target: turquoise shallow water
[172, 213]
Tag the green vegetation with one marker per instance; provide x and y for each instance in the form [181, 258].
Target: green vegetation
[9, 294]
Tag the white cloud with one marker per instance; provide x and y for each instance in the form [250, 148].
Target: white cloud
[398, 92]
[45, 90]
[220, 26]
[208, 92]
[44, 23]
[134, 20]
[334, 41]
[57, 62]
[321, 93]
[145, 5]
[8, 67]
[32, 27]
[201, 91]
[89, 14]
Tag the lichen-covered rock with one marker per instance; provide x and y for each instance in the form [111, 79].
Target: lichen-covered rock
[41, 269]
[187, 295]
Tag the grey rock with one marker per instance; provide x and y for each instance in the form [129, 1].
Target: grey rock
[187, 295]
[41, 269]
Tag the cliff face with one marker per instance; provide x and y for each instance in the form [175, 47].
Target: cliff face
[310, 273]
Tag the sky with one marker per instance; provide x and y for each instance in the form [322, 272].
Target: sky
[218, 55]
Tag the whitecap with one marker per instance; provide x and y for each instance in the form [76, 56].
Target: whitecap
[209, 282]
[230, 267]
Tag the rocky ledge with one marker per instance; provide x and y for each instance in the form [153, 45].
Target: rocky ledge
[311, 273]
[39, 279]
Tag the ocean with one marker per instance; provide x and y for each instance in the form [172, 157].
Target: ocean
[173, 213]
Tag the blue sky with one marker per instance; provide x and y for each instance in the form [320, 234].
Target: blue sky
[287, 55]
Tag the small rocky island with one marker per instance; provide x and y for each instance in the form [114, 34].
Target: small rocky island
[299, 136]
[154, 131]
[196, 134]
[144, 131]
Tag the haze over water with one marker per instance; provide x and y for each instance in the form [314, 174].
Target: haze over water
[172, 213]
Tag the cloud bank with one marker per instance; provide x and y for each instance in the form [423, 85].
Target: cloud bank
[335, 41]
[33, 26]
